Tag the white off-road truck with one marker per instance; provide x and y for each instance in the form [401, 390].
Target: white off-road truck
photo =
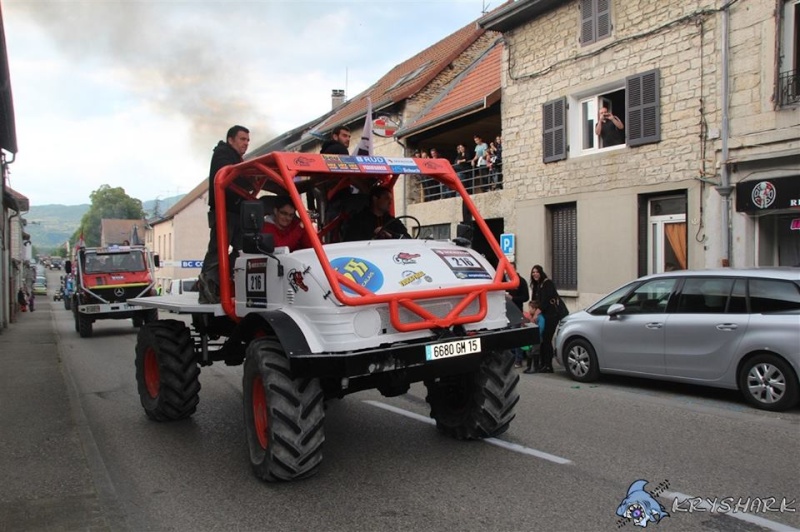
[339, 317]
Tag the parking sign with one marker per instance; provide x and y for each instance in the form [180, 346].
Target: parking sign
[507, 243]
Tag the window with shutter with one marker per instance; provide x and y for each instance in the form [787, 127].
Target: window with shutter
[564, 245]
[554, 136]
[587, 22]
[643, 108]
[595, 21]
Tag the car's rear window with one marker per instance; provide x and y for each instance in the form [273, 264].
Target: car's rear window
[704, 295]
[773, 295]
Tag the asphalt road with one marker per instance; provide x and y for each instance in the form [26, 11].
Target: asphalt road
[565, 464]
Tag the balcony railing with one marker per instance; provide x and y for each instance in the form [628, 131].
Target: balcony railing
[475, 180]
[789, 88]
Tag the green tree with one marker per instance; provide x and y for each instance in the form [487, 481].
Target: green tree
[107, 202]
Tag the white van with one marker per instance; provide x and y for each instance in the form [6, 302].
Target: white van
[179, 286]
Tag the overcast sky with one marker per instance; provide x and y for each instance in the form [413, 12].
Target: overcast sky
[136, 93]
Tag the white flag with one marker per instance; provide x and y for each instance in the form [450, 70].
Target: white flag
[364, 146]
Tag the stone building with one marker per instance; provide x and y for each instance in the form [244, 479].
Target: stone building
[689, 80]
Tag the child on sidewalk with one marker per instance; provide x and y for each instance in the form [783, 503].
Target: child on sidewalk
[535, 315]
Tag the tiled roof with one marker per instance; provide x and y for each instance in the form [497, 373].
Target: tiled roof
[420, 69]
[477, 88]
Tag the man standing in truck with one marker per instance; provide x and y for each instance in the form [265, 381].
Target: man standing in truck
[225, 154]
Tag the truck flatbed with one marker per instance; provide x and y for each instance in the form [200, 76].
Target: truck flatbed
[185, 303]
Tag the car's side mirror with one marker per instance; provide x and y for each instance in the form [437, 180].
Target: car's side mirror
[252, 217]
[156, 261]
[68, 266]
[615, 309]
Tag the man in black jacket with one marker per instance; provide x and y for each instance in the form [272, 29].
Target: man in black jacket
[225, 154]
[338, 143]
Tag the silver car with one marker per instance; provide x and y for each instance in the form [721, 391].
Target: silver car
[726, 328]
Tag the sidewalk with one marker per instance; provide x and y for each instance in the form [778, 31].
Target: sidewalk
[45, 478]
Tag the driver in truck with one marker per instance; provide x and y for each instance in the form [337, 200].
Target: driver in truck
[375, 222]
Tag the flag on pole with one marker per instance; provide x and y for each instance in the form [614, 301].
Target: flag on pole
[364, 146]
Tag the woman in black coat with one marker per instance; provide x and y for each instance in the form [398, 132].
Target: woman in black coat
[544, 292]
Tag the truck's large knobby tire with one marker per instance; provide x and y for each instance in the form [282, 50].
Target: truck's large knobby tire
[478, 404]
[167, 373]
[283, 416]
[84, 325]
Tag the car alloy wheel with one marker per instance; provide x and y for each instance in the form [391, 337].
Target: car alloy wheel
[766, 383]
[578, 360]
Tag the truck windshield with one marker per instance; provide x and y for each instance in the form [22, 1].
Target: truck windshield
[115, 262]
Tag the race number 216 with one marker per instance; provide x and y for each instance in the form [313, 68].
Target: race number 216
[255, 282]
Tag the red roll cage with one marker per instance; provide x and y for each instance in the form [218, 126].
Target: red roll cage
[297, 173]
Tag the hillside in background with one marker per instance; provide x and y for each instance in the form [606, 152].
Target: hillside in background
[51, 225]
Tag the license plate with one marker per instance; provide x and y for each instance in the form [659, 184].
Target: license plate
[452, 349]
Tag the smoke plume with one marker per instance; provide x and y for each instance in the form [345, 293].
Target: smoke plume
[183, 58]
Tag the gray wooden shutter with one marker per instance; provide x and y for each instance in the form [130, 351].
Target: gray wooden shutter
[555, 130]
[564, 248]
[603, 18]
[587, 22]
[643, 108]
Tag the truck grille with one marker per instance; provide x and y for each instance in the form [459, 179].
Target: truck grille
[437, 307]
[118, 294]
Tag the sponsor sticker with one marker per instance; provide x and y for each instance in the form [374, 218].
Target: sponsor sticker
[406, 258]
[411, 277]
[360, 271]
[296, 281]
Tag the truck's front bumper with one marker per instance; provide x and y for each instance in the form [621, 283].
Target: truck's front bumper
[410, 359]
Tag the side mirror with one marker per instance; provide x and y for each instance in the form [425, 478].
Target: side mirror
[156, 261]
[615, 309]
[68, 266]
[463, 235]
[258, 243]
[252, 217]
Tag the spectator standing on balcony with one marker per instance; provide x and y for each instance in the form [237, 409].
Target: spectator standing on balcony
[479, 161]
[436, 189]
[497, 165]
[338, 143]
[609, 128]
[461, 164]
[226, 153]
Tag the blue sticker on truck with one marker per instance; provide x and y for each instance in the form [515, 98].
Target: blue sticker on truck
[360, 271]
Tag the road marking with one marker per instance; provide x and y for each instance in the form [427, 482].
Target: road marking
[749, 518]
[494, 441]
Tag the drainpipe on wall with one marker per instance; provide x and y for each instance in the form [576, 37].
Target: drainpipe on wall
[725, 189]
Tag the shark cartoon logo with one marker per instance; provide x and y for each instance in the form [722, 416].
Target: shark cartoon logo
[296, 281]
[406, 258]
[640, 506]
